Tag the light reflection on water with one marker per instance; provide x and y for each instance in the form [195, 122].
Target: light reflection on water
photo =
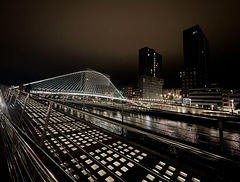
[184, 131]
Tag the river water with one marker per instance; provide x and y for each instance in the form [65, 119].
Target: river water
[203, 136]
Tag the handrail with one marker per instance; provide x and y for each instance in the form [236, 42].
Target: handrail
[32, 162]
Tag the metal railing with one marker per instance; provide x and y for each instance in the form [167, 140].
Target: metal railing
[25, 159]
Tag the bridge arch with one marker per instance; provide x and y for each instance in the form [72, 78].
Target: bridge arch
[87, 82]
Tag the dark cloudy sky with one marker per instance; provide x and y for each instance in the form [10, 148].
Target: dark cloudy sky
[48, 38]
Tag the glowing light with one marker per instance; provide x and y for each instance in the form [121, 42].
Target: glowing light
[89, 83]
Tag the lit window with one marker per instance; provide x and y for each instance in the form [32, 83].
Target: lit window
[148, 54]
[194, 32]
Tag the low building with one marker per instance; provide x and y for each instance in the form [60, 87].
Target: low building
[150, 88]
[230, 99]
[132, 92]
[172, 94]
[208, 98]
[175, 92]
[188, 80]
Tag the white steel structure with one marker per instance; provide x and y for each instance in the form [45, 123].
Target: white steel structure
[89, 82]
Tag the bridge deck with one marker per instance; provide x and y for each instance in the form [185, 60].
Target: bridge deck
[89, 153]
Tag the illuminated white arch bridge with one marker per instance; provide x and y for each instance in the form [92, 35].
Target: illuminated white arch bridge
[81, 83]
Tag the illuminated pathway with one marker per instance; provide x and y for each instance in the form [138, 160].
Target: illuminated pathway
[89, 153]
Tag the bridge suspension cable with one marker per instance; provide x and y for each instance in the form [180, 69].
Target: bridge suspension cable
[88, 82]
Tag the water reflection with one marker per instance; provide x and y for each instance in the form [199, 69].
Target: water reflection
[148, 122]
[192, 133]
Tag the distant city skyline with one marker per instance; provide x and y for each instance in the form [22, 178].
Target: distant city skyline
[45, 39]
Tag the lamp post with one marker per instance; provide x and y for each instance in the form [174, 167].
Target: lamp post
[232, 105]
[212, 107]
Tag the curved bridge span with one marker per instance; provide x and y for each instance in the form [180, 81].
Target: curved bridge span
[88, 82]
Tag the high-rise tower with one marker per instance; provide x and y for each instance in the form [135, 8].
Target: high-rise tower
[149, 76]
[196, 60]
[150, 62]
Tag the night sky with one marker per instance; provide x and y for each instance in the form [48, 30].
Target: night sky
[49, 38]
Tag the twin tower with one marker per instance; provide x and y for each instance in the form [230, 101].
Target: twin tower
[194, 73]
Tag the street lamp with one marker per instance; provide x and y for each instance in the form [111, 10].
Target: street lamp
[232, 105]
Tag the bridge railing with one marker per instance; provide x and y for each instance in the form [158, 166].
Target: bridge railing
[26, 160]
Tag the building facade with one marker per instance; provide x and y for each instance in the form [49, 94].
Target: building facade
[132, 92]
[194, 73]
[172, 93]
[208, 98]
[149, 81]
[150, 62]
[230, 99]
[150, 87]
